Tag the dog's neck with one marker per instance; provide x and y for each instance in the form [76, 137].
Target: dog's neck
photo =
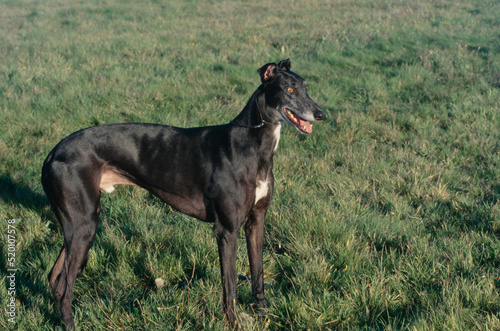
[251, 117]
[252, 114]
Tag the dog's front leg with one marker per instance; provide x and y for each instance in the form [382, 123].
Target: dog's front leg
[254, 231]
[227, 243]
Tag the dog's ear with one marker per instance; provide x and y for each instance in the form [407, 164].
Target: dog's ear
[267, 72]
[284, 65]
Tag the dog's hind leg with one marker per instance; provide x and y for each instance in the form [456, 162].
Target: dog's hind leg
[68, 266]
[77, 210]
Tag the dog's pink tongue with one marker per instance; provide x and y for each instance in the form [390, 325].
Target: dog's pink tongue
[305, 126]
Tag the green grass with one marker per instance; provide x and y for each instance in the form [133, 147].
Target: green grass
[386, 217]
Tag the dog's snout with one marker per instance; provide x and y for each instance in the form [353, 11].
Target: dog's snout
[319, 115]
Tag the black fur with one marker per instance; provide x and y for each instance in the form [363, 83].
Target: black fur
[220, 174]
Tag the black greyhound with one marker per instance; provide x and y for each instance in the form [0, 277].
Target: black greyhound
[220, 174]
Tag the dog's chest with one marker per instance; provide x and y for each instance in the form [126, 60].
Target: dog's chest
[262, 186]
[261, 190]
[277, 134]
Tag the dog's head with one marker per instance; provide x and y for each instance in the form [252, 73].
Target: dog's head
[286, 97]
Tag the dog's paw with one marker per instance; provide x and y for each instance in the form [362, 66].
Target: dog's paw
[261, 308]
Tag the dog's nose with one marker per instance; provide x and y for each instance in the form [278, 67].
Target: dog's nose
[319, 115]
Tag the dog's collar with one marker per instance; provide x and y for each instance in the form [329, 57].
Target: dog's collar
[261, 124]
[260, 103]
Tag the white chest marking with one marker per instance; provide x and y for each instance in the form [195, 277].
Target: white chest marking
[277, 134]
[261, 190]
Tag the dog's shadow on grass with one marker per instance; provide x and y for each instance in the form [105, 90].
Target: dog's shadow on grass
[20, 194]
[16, 194]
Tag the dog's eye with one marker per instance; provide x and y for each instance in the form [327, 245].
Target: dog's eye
[290, 90]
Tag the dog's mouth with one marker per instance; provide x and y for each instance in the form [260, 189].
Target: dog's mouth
[301, 124]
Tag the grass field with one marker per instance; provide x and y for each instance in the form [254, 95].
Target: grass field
[386, 217]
